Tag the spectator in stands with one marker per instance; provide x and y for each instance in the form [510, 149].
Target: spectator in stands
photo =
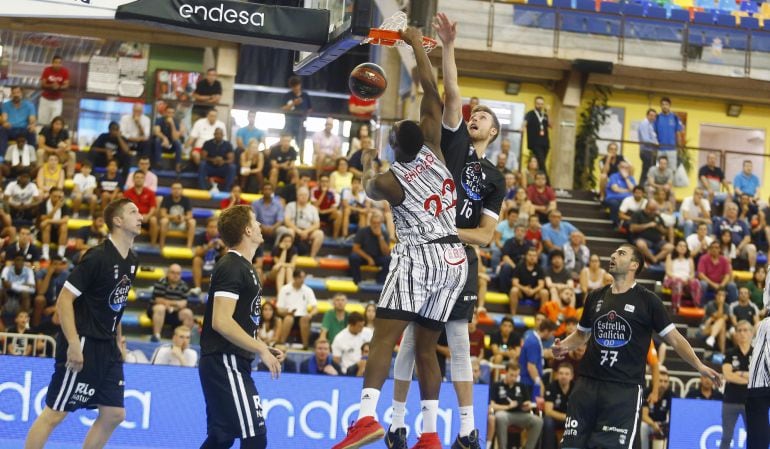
[735, 369]
[523, 204]
[356, 206]
[476, 337]
[556, 401]
[542, 196]
[341, 178]
[468, 107]
[512, 186]
[715, 273]
[504, 231]
[19, 118]
[609, 165]
[699, 242]
[252, 163]
[18, 287]
[715, 321]
[207, 93]
[23, 199]
[84, 189]
[511, 405]
[372, 247]
[109, 146]
[556, 232]
[650, 235]
[110, 184]
[533, 233]
[593, 276]
[326, 201]
[576, 254]
[270, 214]
[89, 236]
[670, 132]
[747, 211]
[279, 164]
[145, 201]
[680, 276]
[208, 248]
[178, 353]
[660, 177]
[655, 416]
[726, 245]
[270, 324]
[370, 313]
[234, 199]
[537, 124]
[55, 139]
[203, 131]
[619, 187]
[24, 246]
[50, 281]
[557, 278]
[169, 301]
[321, 362]
[296, 305]
[136, 129]
[50, 175]
[363, 111]
[176, 214]
[505, 344]
[346, 346]
[54, 80]
[355, 163]
[712, 180]
[756, 288]
[358, 369]
[302, 219]
[17, 344]
[511, 163]
[501, 162]
[741, 234]
[217, 160]
[362, 132]
[336, 319]
[694, 210]
[52, 220]
[249, 133]
[744, 309]
[747, 182]
[531, 357]
[296, 106]
[531, 170]
[513, 252]
[528, 282]
[648, 143]
[704, 390]
[20, 156]
[132, 356]
[559, 309]
[326, 147]
[168, 135]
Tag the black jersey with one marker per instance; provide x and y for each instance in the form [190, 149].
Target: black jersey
[101, 282]
[560, 399]
[735, 393]
[660, 410]
[621, 327]
[233, 278]
[480, 186]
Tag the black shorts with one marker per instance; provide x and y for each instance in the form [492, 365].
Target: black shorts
[233, 407]
[172, 318]
[466, 303]
[100, 382]
[603, 415]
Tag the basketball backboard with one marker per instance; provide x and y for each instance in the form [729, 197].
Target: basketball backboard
[350, 21]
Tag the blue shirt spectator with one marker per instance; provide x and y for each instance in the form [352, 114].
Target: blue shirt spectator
[618, 180]
[246, 134]
[557, 231]
[738, 228]
[667, 125]
[268, 212]
[746, 181]
[647, 135]
[531, 357]
[19, 114]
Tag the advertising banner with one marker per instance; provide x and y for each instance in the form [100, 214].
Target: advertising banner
[697, 424]
[165, 408]
[75, 9]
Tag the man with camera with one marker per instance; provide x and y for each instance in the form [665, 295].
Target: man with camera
[648, 232]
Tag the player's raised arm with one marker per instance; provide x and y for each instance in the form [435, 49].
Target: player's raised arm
[447, 32]
[430, 107]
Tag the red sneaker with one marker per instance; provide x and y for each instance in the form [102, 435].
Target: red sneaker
[362, 432]
[428, 441]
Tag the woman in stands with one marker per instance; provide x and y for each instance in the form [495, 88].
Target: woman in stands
[726, 245]
[355, 144]
[252, 166]
[270, 326]
[532, 168]
[756, 289]
[50, 175]
[680, 275]
[341, 178]
[369, 313]
[523, 204]
[55, 139]
[593, 277]
[284, 261]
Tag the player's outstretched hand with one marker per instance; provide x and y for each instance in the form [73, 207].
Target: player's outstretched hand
[711, 374]
[412, 36]
[74, 358]
[278, 354]
[558, 350]
[367, 156]
[272, 362]
[446, 29]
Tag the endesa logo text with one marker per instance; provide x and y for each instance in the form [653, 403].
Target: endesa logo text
[223, 14]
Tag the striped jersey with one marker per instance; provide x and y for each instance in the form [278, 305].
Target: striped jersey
[759, 367]
[427, 212]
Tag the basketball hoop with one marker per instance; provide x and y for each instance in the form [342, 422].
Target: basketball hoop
[388, 34]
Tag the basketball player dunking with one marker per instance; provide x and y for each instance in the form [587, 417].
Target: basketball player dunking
[480, 194]
[88, 372]
[428, 265]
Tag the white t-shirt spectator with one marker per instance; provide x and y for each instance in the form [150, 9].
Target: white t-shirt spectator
[327, 145]
[300, 300]
[304, 217]
[629, 205]
[357, 200]
[693, 243]
[86, 184]
[164, 355]
[21, 195]
[23, 157]
[20, 283]
[202, 131]
[690, 211]
[130, 130]
[150, 181]
[347, 346]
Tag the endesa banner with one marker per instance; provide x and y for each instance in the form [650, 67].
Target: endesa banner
[165, 408]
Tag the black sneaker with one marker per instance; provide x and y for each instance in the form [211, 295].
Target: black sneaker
[396, 439]
[469, 442]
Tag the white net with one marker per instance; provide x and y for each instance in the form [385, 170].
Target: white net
[397, 22]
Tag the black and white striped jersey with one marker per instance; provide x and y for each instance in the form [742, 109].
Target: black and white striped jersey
[759, 366]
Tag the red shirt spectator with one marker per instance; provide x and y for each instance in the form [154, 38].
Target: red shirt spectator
[355, 101]
[540, 197]
[714, 270]
[327, 202]
[144, 200]
[477, 343]
[225, 203]
[58, 75]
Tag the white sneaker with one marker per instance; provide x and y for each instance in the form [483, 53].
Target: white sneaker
[710, 342]
[195, 291]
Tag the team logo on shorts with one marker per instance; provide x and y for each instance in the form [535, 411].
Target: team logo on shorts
[454, 256]
[612, 330]
[256, 309]
[471, 180]
[119, 295]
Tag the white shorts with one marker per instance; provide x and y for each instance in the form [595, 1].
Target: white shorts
[423, 283]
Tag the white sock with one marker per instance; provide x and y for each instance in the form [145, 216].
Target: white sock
[489, 445]
[399, 413]
[369, 398]
[46, 250]
[466, 420]
[429, 415]
[61, 250]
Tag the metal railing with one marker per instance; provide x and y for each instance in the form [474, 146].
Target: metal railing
[27, 344]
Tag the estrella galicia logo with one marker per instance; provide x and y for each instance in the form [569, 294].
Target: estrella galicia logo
[471, 180]
[612, 330]
[119, 295]
[256, 309]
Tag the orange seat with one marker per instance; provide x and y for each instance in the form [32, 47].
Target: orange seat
[334, 263]
[485, 320]
[691, 312]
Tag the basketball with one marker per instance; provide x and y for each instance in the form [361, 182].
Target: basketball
[367, 81]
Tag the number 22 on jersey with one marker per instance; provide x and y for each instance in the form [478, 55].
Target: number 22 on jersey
[441, 203]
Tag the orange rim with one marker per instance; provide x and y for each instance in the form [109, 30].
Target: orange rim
[380, 36]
